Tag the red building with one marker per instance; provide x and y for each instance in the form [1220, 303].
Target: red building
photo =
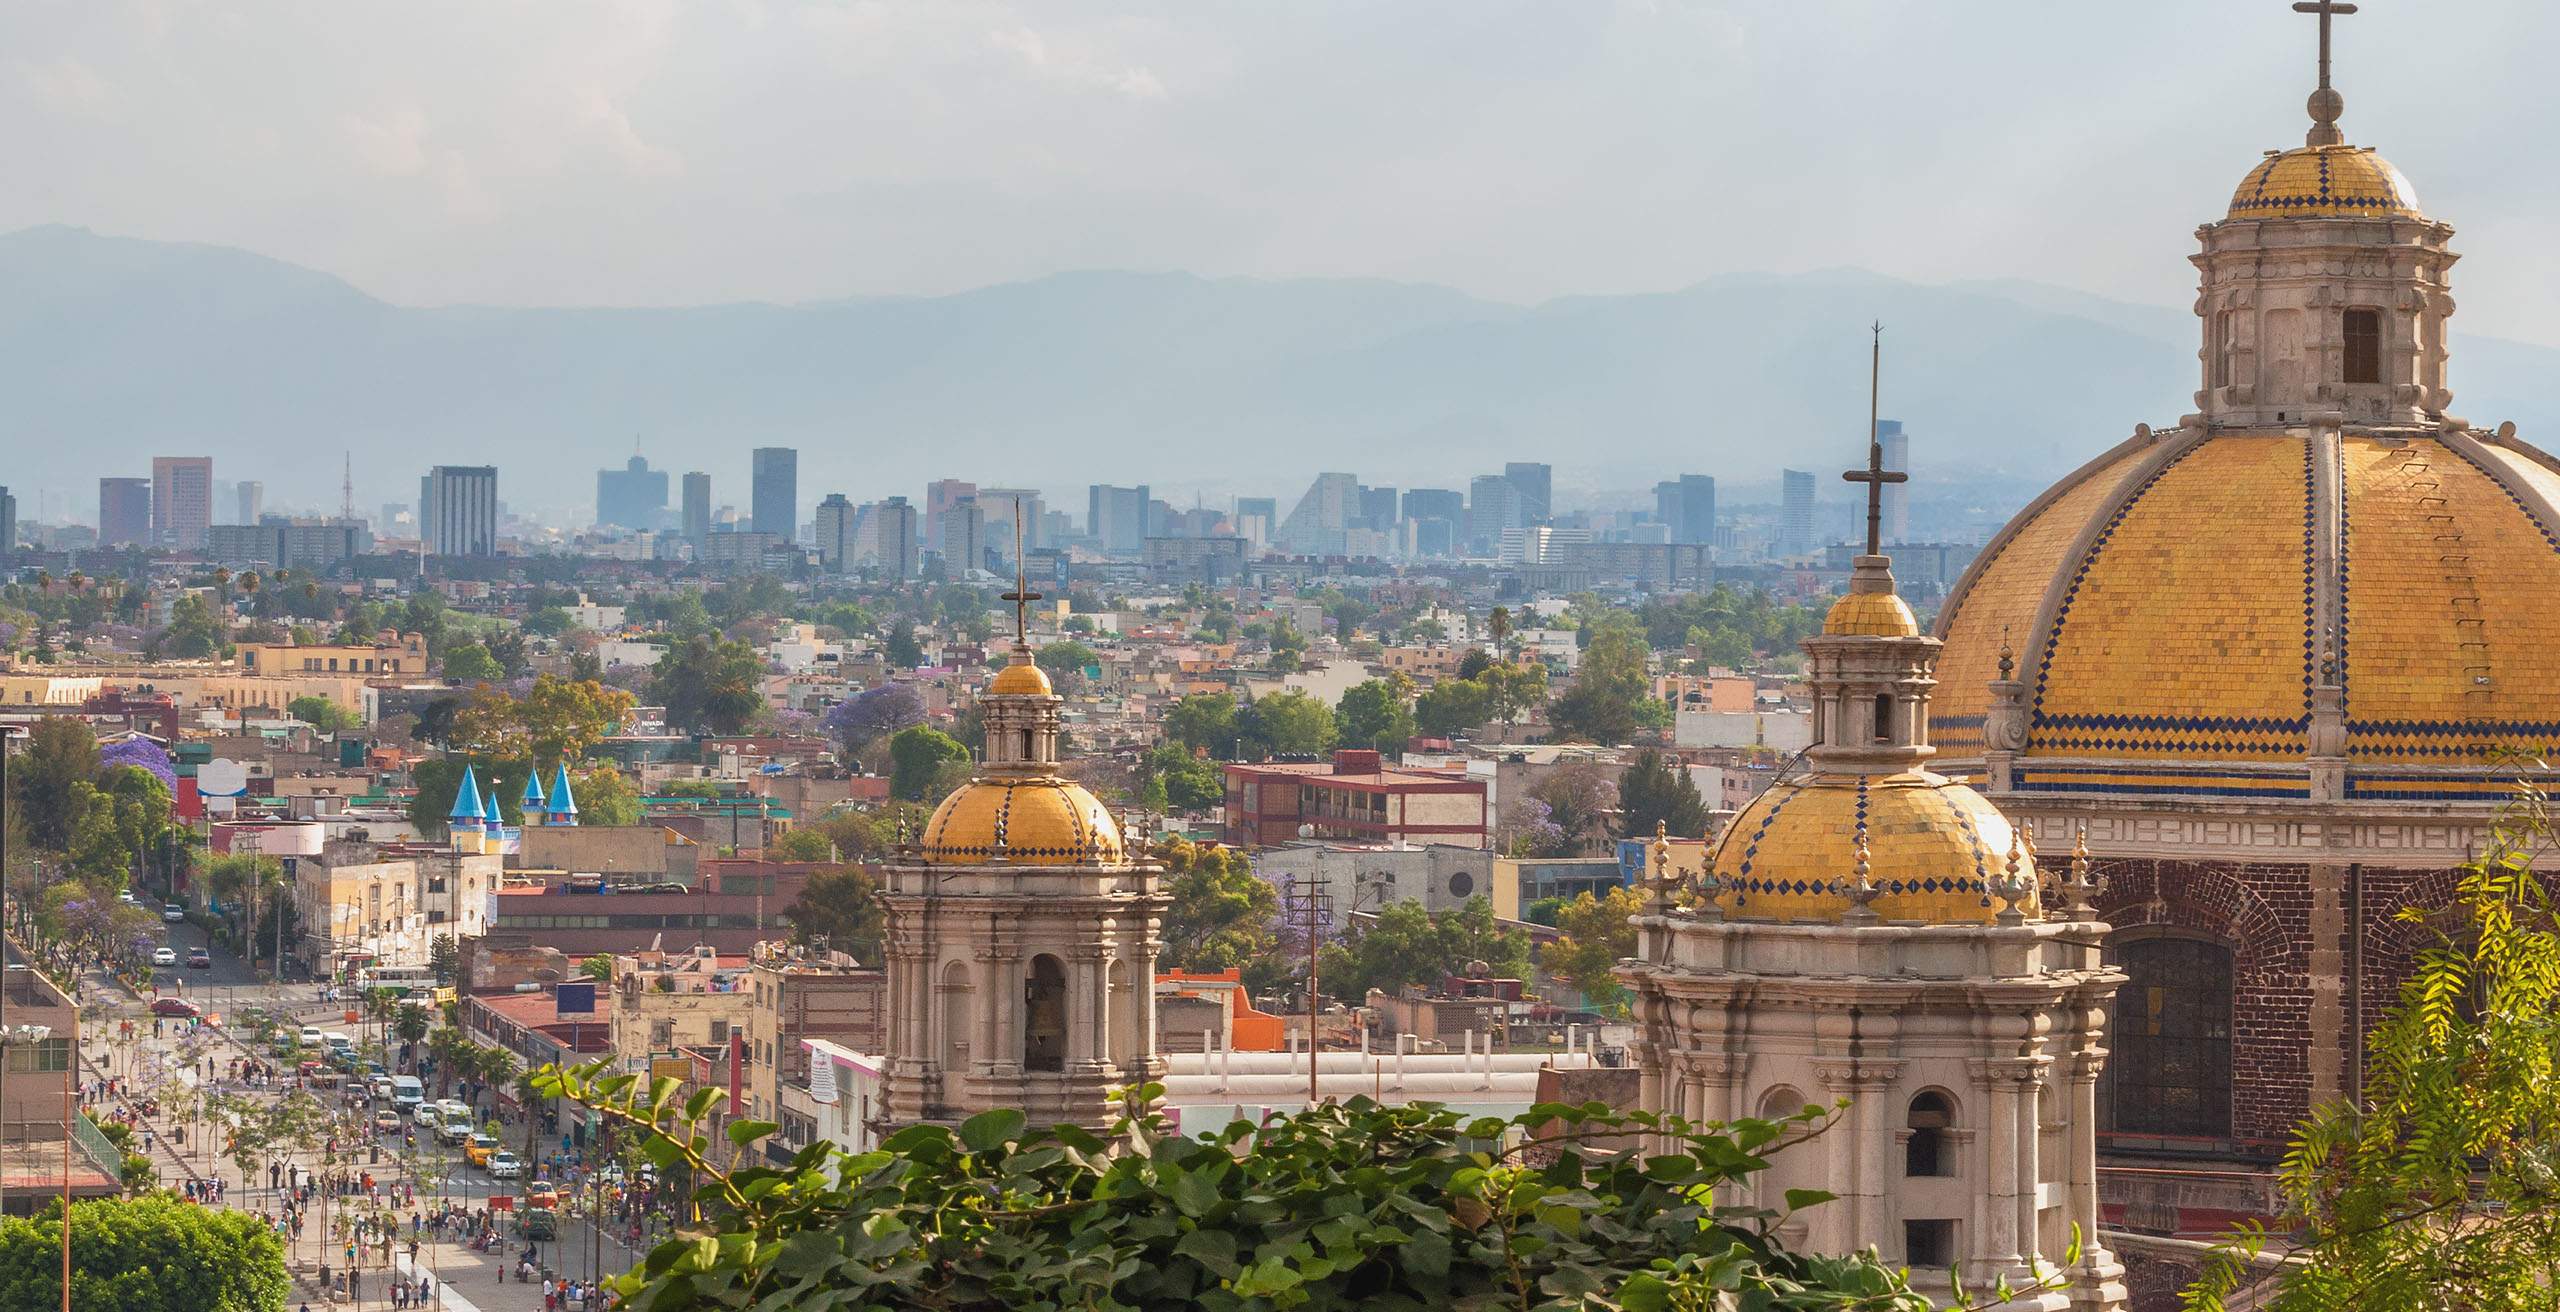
[1357, 797]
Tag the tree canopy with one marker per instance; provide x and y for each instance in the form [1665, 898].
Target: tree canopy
[1290, 723]
[841, 905]
[1341, 1206]
[320, 713]
[2437, 1188]
[1655, 790]
[1611, 696]
[873, 714]
[1599, 932]
[1375, 715]
[708, 685]
[1204, 721]
[1223, 917]
[1406, 944]
[154, 1253]
[917, 756]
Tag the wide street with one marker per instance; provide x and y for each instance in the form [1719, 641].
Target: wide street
[178, 1057]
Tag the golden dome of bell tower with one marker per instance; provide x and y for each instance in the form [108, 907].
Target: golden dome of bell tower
[2323, 287]
[1022, 935]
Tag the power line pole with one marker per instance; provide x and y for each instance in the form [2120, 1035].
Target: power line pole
[1319, 905]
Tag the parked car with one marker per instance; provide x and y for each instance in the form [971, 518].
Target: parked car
[199, 959]
[504, 1165]
[174, 1007]
[164, 956]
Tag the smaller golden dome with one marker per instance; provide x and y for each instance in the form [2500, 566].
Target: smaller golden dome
[1935, 850]
[1023, 679]
[2325, 182]
[1041, 821]
[1874, 614]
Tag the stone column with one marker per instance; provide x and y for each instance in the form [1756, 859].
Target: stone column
[1995, 1250]
[1861, 1153]
[2326, 933]
[2029, 1075]
[1088, 1009]
[998, 983]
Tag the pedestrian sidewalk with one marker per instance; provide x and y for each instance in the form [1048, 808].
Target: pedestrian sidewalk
[446, 1296]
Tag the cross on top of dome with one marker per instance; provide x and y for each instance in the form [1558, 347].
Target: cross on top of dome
[1875, 475]
[1022, 596]
[2326, 103]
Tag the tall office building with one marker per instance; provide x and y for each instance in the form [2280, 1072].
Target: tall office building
[8, 529]
[940, 495]
[634, 496]
[1493, 504]
[1255, 519]
[836, 522]
[889, 529]
[249, 500]
[1001, 504]
[124, 512]
[697, 506]
[458, 510]
[1317, 525]
[1116, 517]
[181, 501]
[1536, 483]
[1687, 507]
[1897, 456]
[1435, 503]
[774, 497]
[1378, 508]
[963, 541]
[1795, 512]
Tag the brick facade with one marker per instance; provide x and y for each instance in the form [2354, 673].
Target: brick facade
[2266, 915]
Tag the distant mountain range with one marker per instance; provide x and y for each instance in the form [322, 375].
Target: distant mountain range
[113, 350]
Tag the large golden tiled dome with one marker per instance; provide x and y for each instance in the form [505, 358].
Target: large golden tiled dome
[1034, 821]
[1935, 850]
[2324, 182]
[2171, 608]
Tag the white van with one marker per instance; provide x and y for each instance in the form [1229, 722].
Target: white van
[407, 1091]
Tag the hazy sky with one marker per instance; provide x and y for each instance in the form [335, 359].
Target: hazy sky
[650, 153]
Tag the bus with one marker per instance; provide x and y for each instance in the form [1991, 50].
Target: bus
[413, 983]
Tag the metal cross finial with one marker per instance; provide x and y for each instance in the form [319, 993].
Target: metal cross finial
[1875, 475]
[2326, 9]
[2326, 103]
[1022, 596]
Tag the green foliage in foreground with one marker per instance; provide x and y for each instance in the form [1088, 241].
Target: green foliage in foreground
[148, 1254]
[1345, 1206]
[2442, 1188]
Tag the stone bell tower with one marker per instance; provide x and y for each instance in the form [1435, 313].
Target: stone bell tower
[1872, 934]
[2324, 292]
[1022, 934]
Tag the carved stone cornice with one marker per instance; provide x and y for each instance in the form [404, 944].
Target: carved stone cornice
[2398, 835]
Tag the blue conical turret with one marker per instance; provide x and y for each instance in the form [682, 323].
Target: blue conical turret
[466, 802]
[533, 804]
[564, 804]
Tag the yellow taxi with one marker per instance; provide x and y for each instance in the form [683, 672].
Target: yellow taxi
[477, 1150]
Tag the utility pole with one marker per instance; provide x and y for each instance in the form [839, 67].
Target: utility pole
[1318, 904]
